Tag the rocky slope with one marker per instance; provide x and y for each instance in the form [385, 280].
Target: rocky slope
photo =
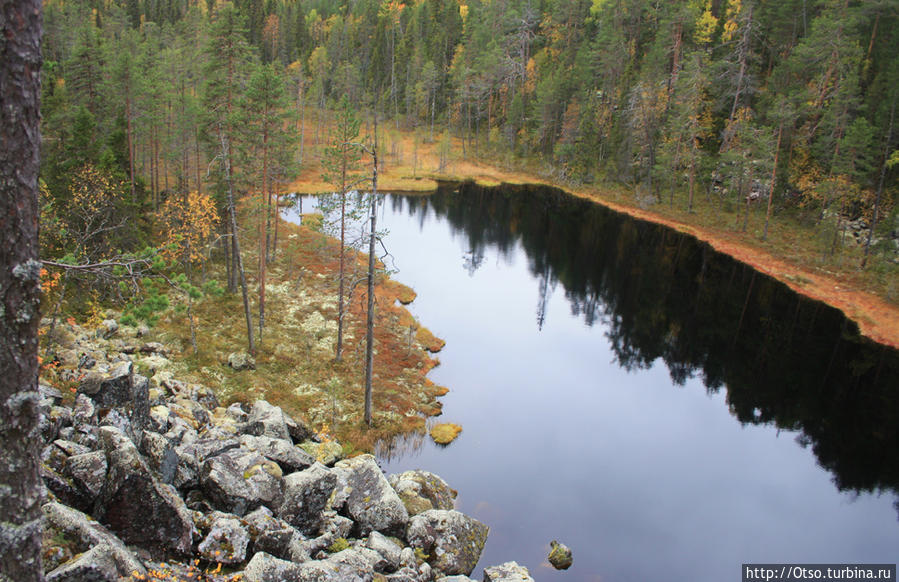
[149, 478]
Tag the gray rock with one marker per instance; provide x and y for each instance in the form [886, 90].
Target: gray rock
[508, 572]
[154, 348]
[306, 495]
[108, 328]
[49, 393]
[88, 470]
[117, 389]
[290, 457]
[109, 390]
[559, 556]
[61, 415]
[262, 519]
[377, 562]
[285, 543]
[457, 578]
[70, 448]
[193, 452]
[325, 453]
[453, 540]
[421, 491]
[267, 568]
[226, 542]
[89, 533]
[345, 566]
[238, 481]
[65, 489]
[54, 457]
[114, 417]
[84, 411]
[140, 509]
[370, 500]
[410, 574]
[387, 548]
[95, 565]
[160, 455]
[237, 413]
[268, 420]
[241, 361]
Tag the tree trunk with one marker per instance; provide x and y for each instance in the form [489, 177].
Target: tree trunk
[883, 171]
[263, 231]
[235, 244]
[773, 178]
[21, 489]
[370, 319]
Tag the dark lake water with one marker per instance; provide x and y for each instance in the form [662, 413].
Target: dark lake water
[663, 410]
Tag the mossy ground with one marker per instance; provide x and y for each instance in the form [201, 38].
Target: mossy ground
[445, 432]
[295, 360]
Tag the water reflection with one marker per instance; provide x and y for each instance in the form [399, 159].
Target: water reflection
[782, 359]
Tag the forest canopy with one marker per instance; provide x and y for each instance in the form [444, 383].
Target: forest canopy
[719, 97]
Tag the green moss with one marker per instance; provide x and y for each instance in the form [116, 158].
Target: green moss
[421, 555]
[339, 545]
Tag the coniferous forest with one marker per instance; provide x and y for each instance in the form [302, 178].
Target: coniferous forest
[730, 100]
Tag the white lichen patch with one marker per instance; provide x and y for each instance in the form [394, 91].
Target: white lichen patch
[307, 390]
[279, 289]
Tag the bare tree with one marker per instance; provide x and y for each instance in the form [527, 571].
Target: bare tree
[21, 491]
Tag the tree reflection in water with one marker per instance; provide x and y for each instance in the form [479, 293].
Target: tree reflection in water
[783, 359]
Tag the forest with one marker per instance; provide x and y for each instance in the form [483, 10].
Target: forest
[737, 101]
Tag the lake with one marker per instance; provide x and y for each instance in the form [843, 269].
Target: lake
[665, 411]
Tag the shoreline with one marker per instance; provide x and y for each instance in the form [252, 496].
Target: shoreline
[876, 318]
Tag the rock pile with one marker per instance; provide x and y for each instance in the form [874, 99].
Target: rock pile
[150, 479]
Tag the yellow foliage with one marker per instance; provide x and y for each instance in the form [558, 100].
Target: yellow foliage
[734, 8]
[705, 27]
[188, 223]
[463, 11]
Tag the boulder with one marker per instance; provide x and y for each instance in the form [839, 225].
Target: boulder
[267, 568]
[421, 491]
[140, 509]
[326, 453]
[284, 542]
[387, 548]
[118, 389]
[306, 495]
[370, 500]
[65, 489]
[241, 361]
[112, 389]
[160, 454]
[345, 566]
[88, 533]
[108, 328]
[508, 572]
[95, 565]
[237, 481]
[453, 540]
[290, 457]
[226, 542]
[88, 470]
[559, 556]
[268, 420]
